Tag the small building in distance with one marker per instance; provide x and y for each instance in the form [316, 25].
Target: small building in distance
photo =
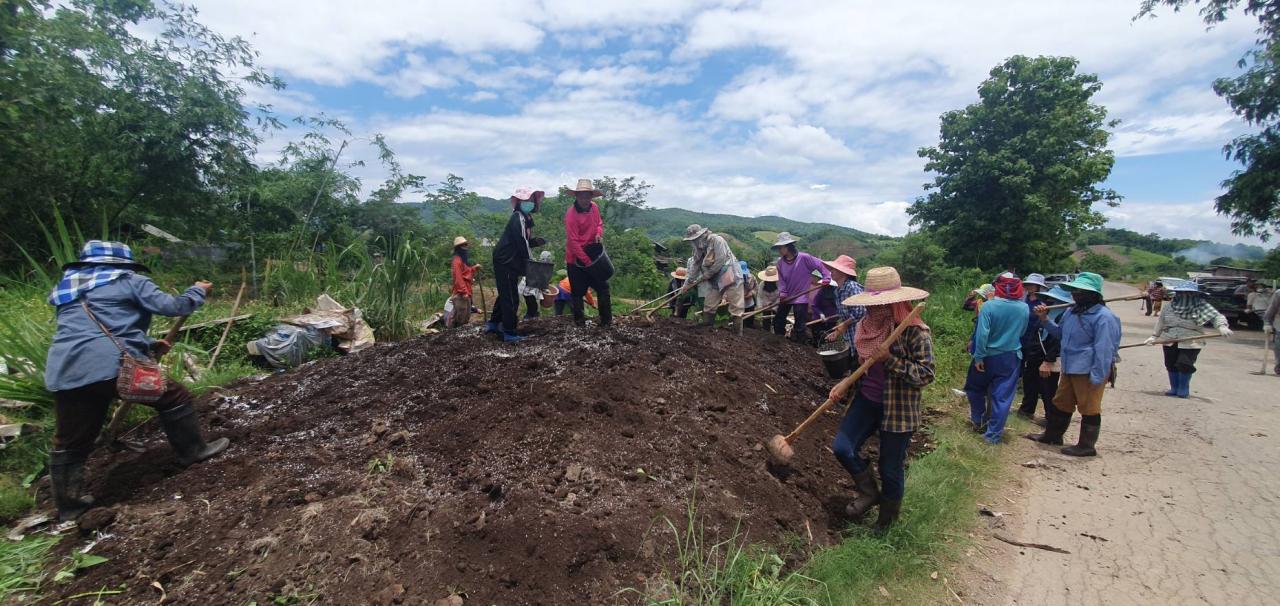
[1226, 271]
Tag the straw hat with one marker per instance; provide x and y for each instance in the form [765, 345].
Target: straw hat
[680, 273]
[882, 287]
[695, 231]
[783, 239]
[770, 274]
[845, 265]
[459, 241]
[585, 185]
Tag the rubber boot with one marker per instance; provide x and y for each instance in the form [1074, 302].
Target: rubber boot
[66, 478]
[183, 430]
[708, 320]
[512, 337]
[1056, 422]
[889, 511]
[1089, 426]
[868, 494]
[491, 328]
[1174, 381]
[1184, 385]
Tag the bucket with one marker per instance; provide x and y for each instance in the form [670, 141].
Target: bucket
[549, 296]
[836, 359]
[538, 274]
[601, 268]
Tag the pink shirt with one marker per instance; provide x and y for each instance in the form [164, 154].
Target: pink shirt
[581, 229]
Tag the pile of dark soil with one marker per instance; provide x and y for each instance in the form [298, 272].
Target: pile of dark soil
[529, 474]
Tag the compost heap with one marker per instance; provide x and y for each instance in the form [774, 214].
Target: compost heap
[538, 473]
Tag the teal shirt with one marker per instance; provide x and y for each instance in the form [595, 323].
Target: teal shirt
[1000, 326]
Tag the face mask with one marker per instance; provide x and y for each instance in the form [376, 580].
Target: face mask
[770, 286]
[526, 207]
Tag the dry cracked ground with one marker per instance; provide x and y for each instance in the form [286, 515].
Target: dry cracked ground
[1180, 506]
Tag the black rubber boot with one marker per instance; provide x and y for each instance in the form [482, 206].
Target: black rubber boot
[889, 511]
[1089, 426]
[66, 478]
[183, 429]
[1056, 422]
[868, 494]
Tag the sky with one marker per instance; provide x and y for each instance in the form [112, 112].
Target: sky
[809, 110]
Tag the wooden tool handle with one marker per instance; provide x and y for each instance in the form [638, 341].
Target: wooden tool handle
[857, 374]
[1128, 298]
[1172, 341]
[780, 302]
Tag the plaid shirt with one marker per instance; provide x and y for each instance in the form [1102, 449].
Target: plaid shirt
[854, 312]
[908, 370]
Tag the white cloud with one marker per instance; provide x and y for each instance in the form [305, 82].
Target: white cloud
[1195, 220]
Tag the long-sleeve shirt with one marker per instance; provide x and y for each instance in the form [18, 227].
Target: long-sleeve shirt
[82, 354]
[1272, 315]
[1170, 325]
[823, 303]
[513, 247]
[795, 276]
[716, 262]
[908, 371]
[1041, 346]
[850, 312]
[1001, 323]
[463, 277]
[580, 229]
[1089, 342]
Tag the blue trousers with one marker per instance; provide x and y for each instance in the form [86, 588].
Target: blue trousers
[860, 421]
[1000, 380]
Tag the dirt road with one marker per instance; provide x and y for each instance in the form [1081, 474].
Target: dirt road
[1180, 506]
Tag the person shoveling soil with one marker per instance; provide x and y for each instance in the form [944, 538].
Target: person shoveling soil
[537, 475]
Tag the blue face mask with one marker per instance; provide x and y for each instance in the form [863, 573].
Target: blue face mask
[526, 207]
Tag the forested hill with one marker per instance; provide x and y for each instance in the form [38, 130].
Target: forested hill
[1196, 251]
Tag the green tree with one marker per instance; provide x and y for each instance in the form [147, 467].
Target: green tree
[1099, 264]
[919, 260]
[1252, 199]
[1017, 173]
[1271, 264]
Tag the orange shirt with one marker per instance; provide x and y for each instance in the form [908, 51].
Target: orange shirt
[565, 288]
[463, 277]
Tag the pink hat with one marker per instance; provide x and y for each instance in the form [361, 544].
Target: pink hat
[524, 192]
[845, 265]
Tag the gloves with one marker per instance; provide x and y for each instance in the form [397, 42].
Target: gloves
[1269, 329]
[1224, 331]
[1149, 341]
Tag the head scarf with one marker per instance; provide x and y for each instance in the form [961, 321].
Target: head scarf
[1008, 286]
[878, 324]
[1191, 306]
[461, 251]
[100, 263]
[1085, 299]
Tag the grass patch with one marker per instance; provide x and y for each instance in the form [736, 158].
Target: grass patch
[22, 565]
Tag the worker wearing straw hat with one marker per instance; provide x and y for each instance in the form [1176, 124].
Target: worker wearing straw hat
[464, 277]
[679, 305]
[715, 264]
[887, 398]
[767, 294]
[1182, 318]
[1090, 335]
[584, 246]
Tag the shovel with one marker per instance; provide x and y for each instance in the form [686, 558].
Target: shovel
[1172, 341]
[779, 446]
[1266, 353]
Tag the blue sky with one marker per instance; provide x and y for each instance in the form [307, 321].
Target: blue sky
[811, 110]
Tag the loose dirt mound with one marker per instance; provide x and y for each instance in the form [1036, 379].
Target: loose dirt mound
[527, 474]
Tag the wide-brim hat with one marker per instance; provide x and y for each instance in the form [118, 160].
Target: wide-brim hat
[680, 273]
[459, 241]
[783, 239]
[844, 264]
[769, 274]
[1085, 280]
[883, 286]
[1057, 292]
[1036, 279]
[101, 252]
[585, 185]
[695, 231]
[524, 193]
[1185, 286]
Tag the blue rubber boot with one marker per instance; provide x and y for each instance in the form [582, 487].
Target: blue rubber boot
[1184, 385]
[1175, 380]
[491, 328]
[511, 337]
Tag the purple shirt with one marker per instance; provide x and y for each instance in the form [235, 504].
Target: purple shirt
[795, 277]
[873, 383]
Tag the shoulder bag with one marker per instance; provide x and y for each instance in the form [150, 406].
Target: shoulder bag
[140, 380]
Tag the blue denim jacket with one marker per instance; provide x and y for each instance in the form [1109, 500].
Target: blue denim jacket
[1089, 342]
[81, 354]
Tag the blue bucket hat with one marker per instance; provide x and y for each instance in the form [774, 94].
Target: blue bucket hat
[1057, 292]
[102, 252]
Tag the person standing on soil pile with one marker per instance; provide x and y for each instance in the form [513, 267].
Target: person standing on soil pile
[1040, 366]
[104, 309]
[509, 259]
[749, 288]
[997, 357]
[714, 261]
[844, 270]
[767, 294]
[1184, 316]
[680, 305]
[887, 397]
[464, 277]
[794, 270]
[822, 306]
[1090, 335]
[584, 244]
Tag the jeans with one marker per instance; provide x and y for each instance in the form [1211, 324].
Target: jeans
[1000, 379]
[1037, 388]
[579, 282]
[861, 420]
[801, 311]
[80, 413]
[508, 303]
